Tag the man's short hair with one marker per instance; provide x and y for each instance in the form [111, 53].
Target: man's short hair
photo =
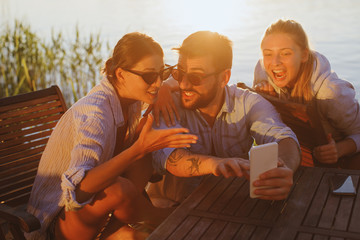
[203, 43]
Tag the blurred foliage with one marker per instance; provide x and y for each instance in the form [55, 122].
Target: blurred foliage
[28, 63]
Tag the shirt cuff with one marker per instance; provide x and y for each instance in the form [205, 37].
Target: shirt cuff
[69, 180]
[356, 139]
[159, 159]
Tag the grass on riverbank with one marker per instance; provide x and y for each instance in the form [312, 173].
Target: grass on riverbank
[28, 63]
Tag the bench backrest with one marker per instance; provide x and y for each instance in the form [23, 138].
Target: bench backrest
[26, 122]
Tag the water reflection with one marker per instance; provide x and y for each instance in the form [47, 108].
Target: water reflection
[330, 24]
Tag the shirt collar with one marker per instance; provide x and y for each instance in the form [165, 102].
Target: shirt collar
[229, 102]
[115, 105]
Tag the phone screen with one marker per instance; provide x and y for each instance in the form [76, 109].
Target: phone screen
[342, 184]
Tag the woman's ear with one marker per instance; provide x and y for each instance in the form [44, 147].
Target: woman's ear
[119, 73]
[305, 55]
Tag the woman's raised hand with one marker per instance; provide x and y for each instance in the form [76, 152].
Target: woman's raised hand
[265, 87]
[152, 139]
[327, 153]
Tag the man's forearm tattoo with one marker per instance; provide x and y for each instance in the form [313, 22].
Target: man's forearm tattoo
[195, 163]
[176, 156]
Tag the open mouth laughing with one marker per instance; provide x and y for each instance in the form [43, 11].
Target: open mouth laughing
[279, 75]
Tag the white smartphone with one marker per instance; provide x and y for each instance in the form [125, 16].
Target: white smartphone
[262, 158]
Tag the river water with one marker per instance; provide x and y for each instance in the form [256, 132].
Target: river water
[332, 26]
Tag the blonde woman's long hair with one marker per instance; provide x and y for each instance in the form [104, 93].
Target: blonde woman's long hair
[301, 92]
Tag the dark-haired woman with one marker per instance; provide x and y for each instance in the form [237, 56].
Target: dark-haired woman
[96, 162]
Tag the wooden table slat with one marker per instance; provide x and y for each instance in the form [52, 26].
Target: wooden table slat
[214, 230]
[229, 231]
[245, 232]
[304, 236]
[260, 233]
[316, 208]
[247, 206]
[329, 211]
[354, 225]
[295, 209]
[343, 213]
[320, 237]
[199, 228]
[262, 206]
[227, 195]
[188, 223]
[235, 203]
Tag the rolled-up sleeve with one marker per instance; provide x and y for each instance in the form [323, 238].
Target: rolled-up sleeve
[69, 180]
[336, 100]
[86, 155]
[265, 122]
[160, 157]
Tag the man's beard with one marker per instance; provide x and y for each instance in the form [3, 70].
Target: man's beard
[203, 100]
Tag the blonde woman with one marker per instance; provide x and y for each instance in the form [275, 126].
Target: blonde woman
[290, 70]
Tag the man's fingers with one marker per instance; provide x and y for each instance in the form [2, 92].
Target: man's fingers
[273, 191]
[166, 117]
[280, 172]
[156, 113]
[171, 114]
[235, 167]
[175, 110]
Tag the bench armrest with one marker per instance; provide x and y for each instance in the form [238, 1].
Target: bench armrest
[25, 220]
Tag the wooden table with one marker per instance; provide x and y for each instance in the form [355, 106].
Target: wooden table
[222, 209]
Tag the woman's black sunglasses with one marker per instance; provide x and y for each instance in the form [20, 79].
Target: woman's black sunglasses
[151, 77]
[195, 79]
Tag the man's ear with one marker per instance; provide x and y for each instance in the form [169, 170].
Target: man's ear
[225, 77]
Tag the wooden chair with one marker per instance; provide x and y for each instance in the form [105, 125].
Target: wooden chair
[26, 122]
[304, 120]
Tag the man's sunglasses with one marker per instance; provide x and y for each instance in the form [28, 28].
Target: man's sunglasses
[151, 77]
[195, 79]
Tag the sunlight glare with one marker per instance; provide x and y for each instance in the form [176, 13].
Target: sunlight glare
[213, 15]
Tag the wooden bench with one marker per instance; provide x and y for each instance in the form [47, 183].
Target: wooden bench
[304, 120]
[26, 122]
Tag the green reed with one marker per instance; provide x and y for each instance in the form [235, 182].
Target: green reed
[28, 63]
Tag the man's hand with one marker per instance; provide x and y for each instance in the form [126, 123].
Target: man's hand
[165, 106]
[231, 167]
[278, 182]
